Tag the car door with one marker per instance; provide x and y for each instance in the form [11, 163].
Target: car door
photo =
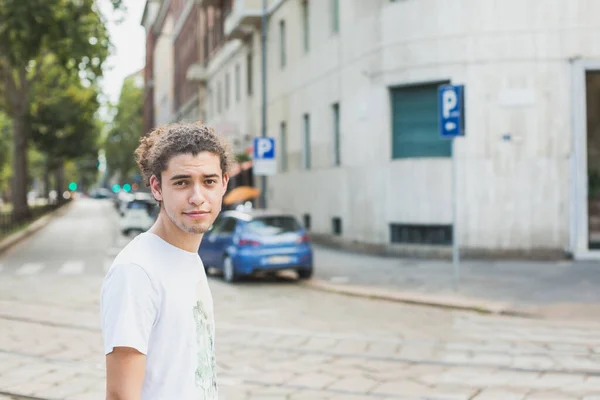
[207, 251]
[220, 239]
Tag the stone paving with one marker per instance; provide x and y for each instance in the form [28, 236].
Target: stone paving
[278, 340]
[557, 289]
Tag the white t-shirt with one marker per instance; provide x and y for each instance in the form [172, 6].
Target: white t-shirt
[155, 299]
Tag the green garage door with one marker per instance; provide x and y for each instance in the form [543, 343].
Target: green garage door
[415, 123]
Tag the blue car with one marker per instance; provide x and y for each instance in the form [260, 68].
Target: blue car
[241, 243]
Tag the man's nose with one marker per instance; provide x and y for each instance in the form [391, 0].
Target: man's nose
[197, 196]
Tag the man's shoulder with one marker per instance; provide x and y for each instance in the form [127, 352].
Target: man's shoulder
[138, 252]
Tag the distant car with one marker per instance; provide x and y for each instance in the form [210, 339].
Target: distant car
[101, 193]
[125, 198]
[138, 216]
[121, 200]
[242, 243]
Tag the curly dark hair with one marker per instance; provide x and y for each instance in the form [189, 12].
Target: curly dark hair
[157, 148]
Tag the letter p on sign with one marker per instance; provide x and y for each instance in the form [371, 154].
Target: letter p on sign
[264, 148]
[449, 102]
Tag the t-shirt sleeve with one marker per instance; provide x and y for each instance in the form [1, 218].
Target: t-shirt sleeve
[128, 308]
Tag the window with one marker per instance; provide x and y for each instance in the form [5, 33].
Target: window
[283, 141]
[227, 90]
[228, 226]
[305, 26]
[271, 226]
[335, 16]
[336, 135]
[336, 225]
[282, 56]
[415, 123]
[421, 234]
[237, 83]
[249, 73]
[219, 104]
[210, 106]
[225, 226]
[306, 219]
[147, 206]
[306, 141]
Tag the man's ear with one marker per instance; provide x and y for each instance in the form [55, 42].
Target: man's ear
[155, 187]
[225, 181]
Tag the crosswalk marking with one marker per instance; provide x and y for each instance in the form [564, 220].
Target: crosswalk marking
[30, 269]
[72, 268]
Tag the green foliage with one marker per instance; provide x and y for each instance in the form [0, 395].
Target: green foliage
[124, 135]
[71, 30]
[72, 34]
[61, 118]
[242, 157]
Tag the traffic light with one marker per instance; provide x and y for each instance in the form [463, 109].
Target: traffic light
[116, 188]
[127, 188]
[73, 186]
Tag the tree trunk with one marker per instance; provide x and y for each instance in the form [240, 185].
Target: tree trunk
[60, 181]
[17, 93]
[20, 179]
[47, 179]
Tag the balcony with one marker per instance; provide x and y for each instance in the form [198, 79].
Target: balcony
[243, 18]
[196, 73]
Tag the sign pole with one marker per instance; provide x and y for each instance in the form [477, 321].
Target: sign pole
[452, 125]
[455, 242]
[263, 119]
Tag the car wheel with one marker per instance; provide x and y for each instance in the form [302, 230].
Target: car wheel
[305, 273]
[228, 270]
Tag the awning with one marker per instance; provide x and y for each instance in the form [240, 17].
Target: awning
[241, 194]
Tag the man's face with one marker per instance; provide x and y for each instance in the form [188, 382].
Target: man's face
[191, 191]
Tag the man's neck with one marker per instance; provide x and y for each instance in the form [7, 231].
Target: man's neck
[170, 233]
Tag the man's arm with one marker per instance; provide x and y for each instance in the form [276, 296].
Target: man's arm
[125, 370]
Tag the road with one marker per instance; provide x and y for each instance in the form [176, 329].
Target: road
[276, 339]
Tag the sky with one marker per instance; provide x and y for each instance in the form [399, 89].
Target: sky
[129, 41]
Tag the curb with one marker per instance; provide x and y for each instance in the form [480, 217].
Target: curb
[34, 227]
[452, 302]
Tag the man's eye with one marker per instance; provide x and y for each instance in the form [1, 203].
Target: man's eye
[180, 183]
[210, 181]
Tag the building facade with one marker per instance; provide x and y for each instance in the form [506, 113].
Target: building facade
[352, 100]
[148, 17]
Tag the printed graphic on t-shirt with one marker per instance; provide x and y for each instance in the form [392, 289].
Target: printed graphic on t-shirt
[206, 367]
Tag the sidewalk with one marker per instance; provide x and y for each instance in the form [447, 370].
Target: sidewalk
[562, 289]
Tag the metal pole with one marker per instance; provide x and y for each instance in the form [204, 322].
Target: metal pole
[455, 242]
[263, 45]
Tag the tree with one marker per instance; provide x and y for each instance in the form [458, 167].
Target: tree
[73, 32]
[5, 155]
[62, 120]
[125, 133]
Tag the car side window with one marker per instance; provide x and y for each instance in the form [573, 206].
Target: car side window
[213, 228]
[228, 226]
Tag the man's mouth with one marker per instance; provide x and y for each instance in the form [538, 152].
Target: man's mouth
[197, 214]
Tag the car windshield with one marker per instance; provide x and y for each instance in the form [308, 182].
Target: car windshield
[271, 226]
[140, 205]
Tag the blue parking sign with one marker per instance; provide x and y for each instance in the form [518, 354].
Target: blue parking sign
[451, 111]
[264, 148]
[264, 162]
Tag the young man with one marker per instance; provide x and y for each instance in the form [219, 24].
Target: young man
[157, 311]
